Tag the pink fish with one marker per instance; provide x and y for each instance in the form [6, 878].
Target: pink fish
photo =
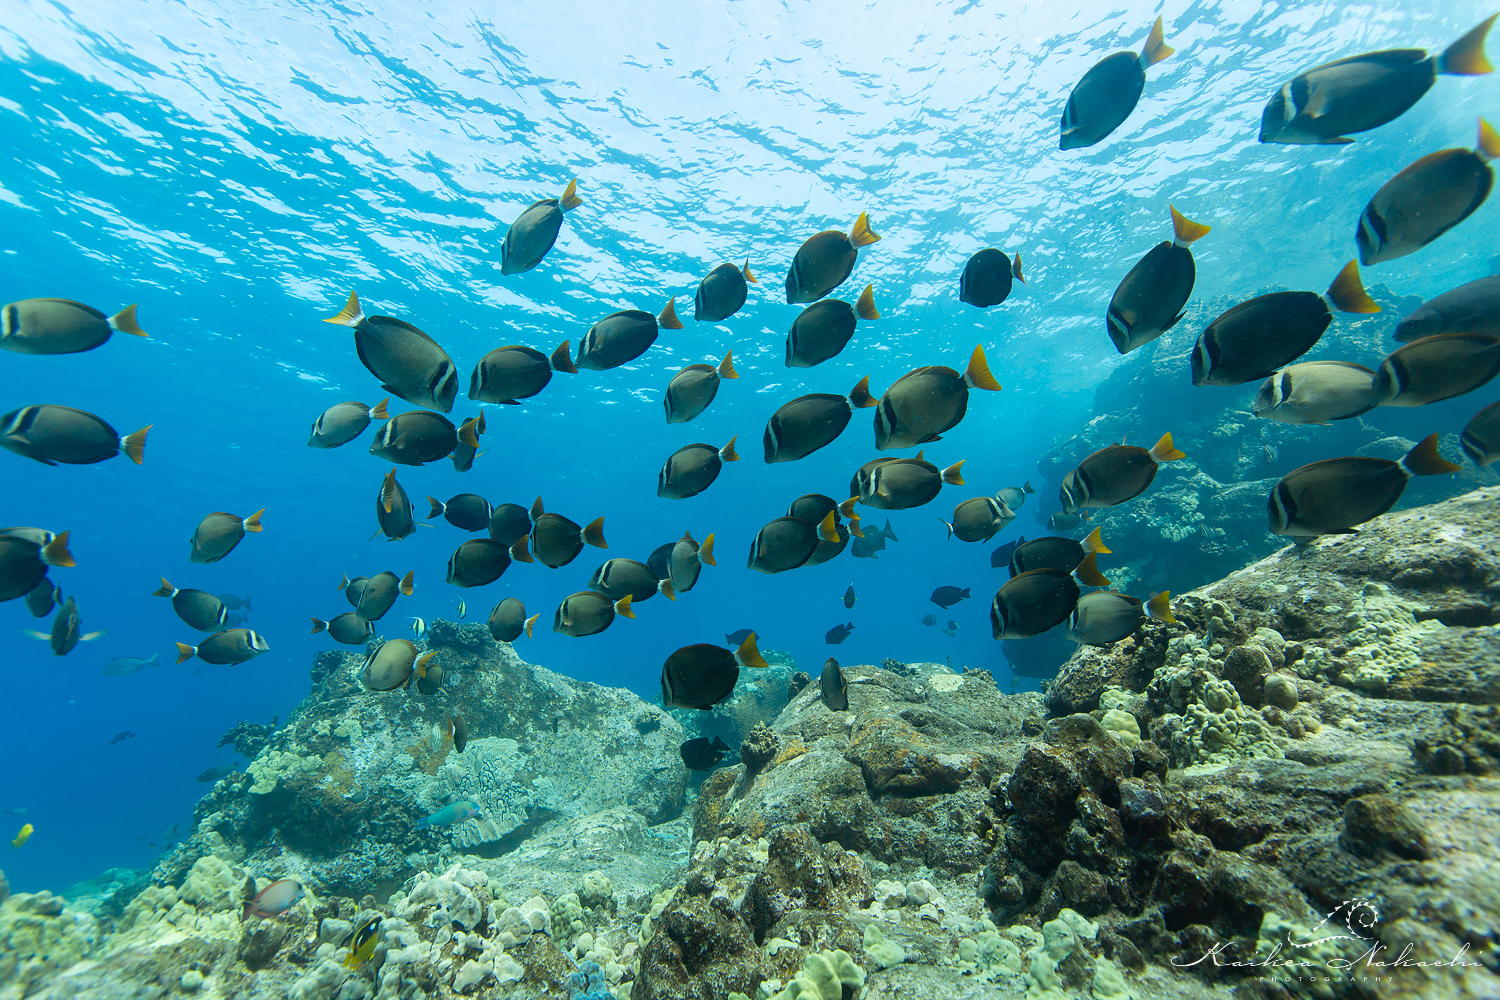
[275, 899]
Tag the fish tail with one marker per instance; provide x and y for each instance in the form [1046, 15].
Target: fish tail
[860, 396]
[977, 374]
[706, 551]
[862, 235]
[888, 532]
[622, 607]
[570, 199]
[828, 528]
[1095, 543]
[665, 587]
[1156, 48]
[854, 528]
[562, 358]
[1088, 572]
[1489, 142]
[469, 434]
[55, 552]
[43, 636]
[746, 272]
[949, 526]
[134, 445]
[1466, 57]
[1027, 488]
[1160, 607]
[847, 507]
[153, 661]
[166, 589]
[726, 367]
[1424, 460]
[531, 624]
[1015, 268]
[388, 491]
[594, 533]
[952, 476]
[667, 318]
[1163, 451]
[727, 453]
[124, 322]
[252, 523]
[1186, 232]
[379, 412]
[350, 315]
[437, 507]
[537, 510]
[185, 652]
[319, 625]
[518, 550]
[408, 583]
[1348, 294]
[749, 653]
[342, 583]
[866, 304]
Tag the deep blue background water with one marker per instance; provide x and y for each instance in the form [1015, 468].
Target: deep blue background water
[236, 169]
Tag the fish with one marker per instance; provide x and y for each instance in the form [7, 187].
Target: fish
[1481, 437]
[389, 665]
[120, 666]
[556, 541]
[929, 619]
[1001, 556]
[1033, 603]
[515, 372]
[197, 608]
[1065, 520]
[1427, 199]
[733, 639]
[51, 434]
[1152, 297]
[1357, 93]
[343, 422]
[122, 735]
[691, 390]
[418, 627]
[872, 541]
[1436, 368]
[354, 589]
[825, 260]
[684, 561]
[235, 645]
[849, 597]
[988, 278]
[813, 508]
[463, 610]
[588, 613]
[460, 731]
[478, 562]
[1331, 497]
[702, 675]
[234, 603]
[393, 510]
[509, 523]
[823, 329]
[692, 469]
[1113, 475]
[468, 511]
[946, 597]
[218, 533]
[234, 621]
[61, 326]
[623, 336]
[415, 437]
[408, 362]
[1109, 91]
[1262, 335]
[1316, 392]
[925, 402]
[1106, 616]
[274, 900]
[25, 554]
[347, 628]
[838, 634]
[381, 591]
[807, 423]
[788, 542]
[722, 292]
[453, 813]
[615, 578]
[216, 772]
[834, 687]
[23, 835]
[467, 449]
[535, 230]
[362, 943]
[429, 675]
[1066, 554]
[702, 755]
[1014, 497]
[1473, 307]
[507, 620]
[17, 811]
[41, 599]
[979, 519]
[903, 483]
[67, 630]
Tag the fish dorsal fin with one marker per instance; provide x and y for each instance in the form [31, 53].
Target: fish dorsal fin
[919, 455]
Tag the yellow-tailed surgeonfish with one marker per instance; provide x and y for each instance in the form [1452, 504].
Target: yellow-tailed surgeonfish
[1150, 299]
[988, 278]
[460, 730]
[807, 423]
[509, 522]
[468, 511]
[274, 900]
[1106, 616]
[507, 620]
[788, 542]
[1109, 92]
[692, 389]
[415, 438]
[198, 608]
[41, 599]
[901, 483]
[60, 326]
[1032, 603]
[408, 362]
[1358, 93]
[1436, 368]
[922, 404]
[1315, 392]
[429, 675]
[615, 578]
[515, 372]
[1332, 496]
[823, 329]
[702, 675]
[51, 434]
[67, 630]
[834, 687]
[389, 665]
[381, 591]
[556, 540]
[813, 508]
[25, 554]
[623, 336]
[824, 260]
[362, 943]
[702, 754]
[1065, 520]
[722, 292]
[588, 613]
[692, 469]
[353, 589]
[979, 519]
[1115, 474]
[1066, 554]
[1473, 307]
[1427, 199]
[347, 628]
[218, 534]
[234, 645]
[1481, 437]
[467, 448]
[682, 561]
[343, 422]
[24, 835]
[1266, 333]
[393, 510]
[478, 563]
[535, 230]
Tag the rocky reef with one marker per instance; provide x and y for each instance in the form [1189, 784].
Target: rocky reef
[1293, 792]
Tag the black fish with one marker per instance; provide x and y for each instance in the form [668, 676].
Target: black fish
[988, 278]
[873, 541]
[946, 597]
[925, 402]
[849, 597]
[692, 389]
[347, 628]
[807, 423]
[51, 434]
[467, 448]
[25, 554]
[556, 540]
[702, 675]
[67, 630]
[823, 329]
[589, 613]
[60, 326]
[199, 609]
[408, 362]
[1427, 199]
[515, 372]
[787, 543]
[509, 523]
[1032, 603]
[838, 634]
[343, 422]
[903, 483]
[535, 231]
[1436, 368]
[381, 591]
[354, 589]
[1332, 496]
[1150, 299]
[692, 469]
[701, 754]
[468, 511]
[1113, 475]
[1109, 92]
[1066, 554]
[834, 687]
[824, 260]
[1001, 556]
[479, 562]
[393, 510]
[1473, 307]
[721, 294]
[1481, 437]
[507, 620]
[929, 619]
[415, 438]
[617, 577]
[124, 735]
[623, 336]
[738, 636]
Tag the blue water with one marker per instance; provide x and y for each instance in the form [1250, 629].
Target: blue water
[236, 168]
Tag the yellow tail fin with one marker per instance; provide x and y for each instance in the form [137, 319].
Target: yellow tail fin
[726, 367]
[862, 235]
[860, 396]
[1424, 460]
[746, 272]
[952, 476]
[1160, 607]
[594, 534]
[978, 373]
[1156, 48]
[165, 590]
[706, 551]
[379, 412]
[252, 523]
[665, 587]
[854, 528]
[1163, 451]
[134, 445]
[622, 607]
[350, 315]
[1094, 543]
[1348, 294]
[518, 550]
[828, 528]
[1015, 268]
[749, 653]
[388, 491]
[570, 199]
[727, 453]
[667, 319]
[408, 583]
[124, 322]
[866, 304]
[1185, 231]
[55, 552]
[1088, 572]
[1466, 57]
[531, 624]
[1489, 142]
[185, 652]
[562, 358]
[847, 507]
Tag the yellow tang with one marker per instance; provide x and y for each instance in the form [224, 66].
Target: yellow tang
[23, 836]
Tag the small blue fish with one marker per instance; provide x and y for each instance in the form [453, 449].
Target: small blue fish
[454, 812]
[119, 666]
